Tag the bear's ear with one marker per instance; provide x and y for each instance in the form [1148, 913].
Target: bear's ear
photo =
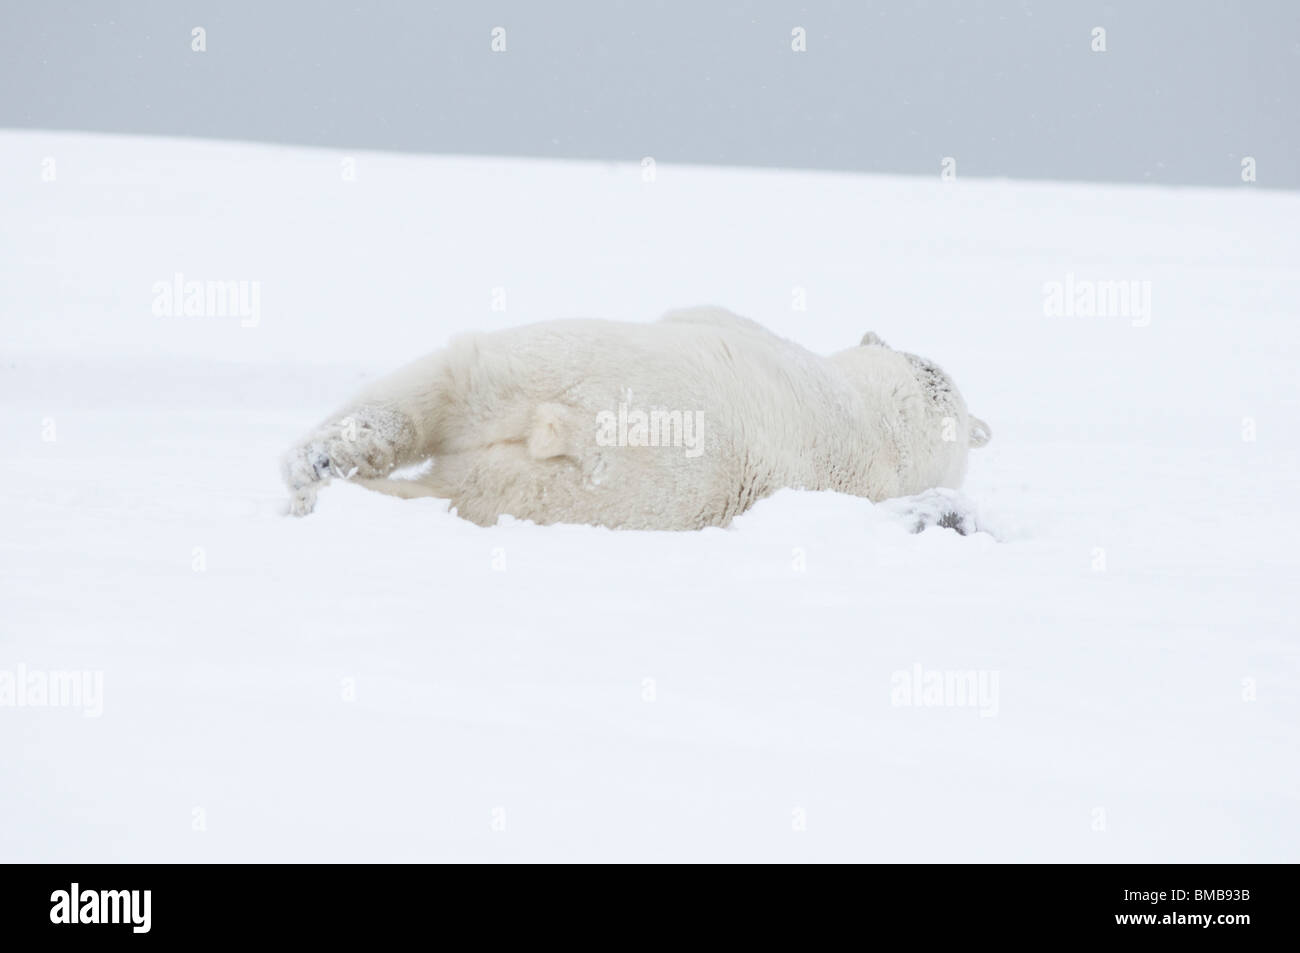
[980, 432]
[871, 338]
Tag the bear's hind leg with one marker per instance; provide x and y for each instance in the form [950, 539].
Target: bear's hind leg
[394, 423]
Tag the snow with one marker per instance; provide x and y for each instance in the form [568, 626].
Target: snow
[384, 681]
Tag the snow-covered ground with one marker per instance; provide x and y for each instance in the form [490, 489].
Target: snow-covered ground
[385, 681]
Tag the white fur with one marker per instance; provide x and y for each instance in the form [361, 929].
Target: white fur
[522, 422]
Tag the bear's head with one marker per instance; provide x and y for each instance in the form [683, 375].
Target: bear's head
[928, 417]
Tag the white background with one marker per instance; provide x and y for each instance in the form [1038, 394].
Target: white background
[484, 695]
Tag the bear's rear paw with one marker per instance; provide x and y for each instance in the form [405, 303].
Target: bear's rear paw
[306, 465]
[302, 501]
[363, 444]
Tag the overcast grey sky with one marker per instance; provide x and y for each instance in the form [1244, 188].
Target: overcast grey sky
[1183, 92]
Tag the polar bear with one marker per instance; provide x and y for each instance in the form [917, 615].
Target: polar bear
[678, 424]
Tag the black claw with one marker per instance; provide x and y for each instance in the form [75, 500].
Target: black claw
[951, 520]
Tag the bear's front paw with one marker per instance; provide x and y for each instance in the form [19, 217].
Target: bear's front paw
[938, 507]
